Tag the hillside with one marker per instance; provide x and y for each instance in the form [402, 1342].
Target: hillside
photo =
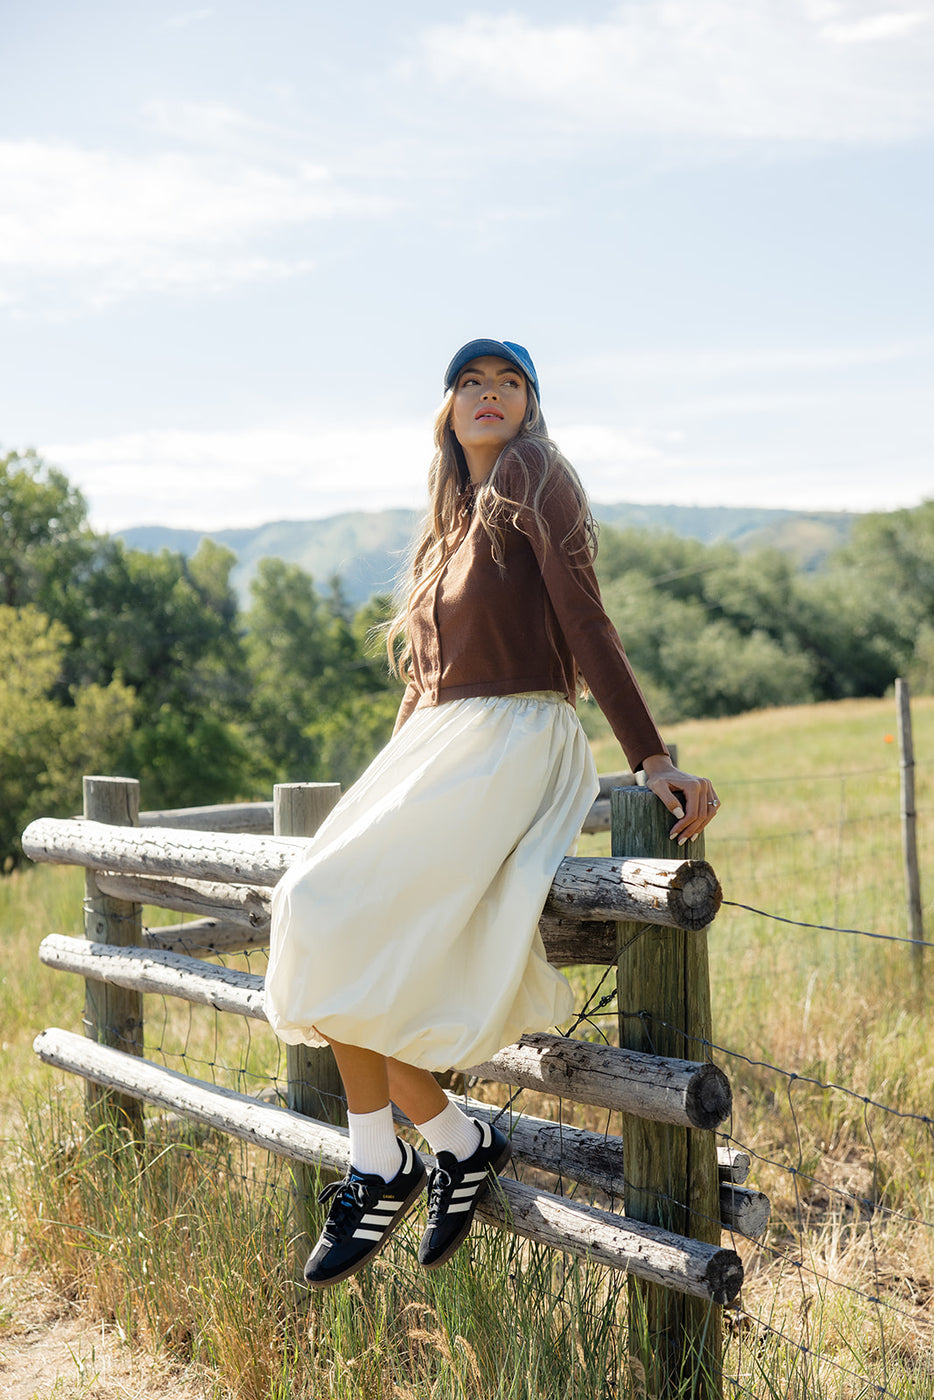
[367, 548]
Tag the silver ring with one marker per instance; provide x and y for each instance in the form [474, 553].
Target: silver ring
[714, 802]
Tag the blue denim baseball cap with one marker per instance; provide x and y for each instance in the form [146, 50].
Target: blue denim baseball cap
[506, 350]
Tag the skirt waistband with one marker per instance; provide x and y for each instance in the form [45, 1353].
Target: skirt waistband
[548, 697]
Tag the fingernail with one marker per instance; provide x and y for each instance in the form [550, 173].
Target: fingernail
[679, 812]
[681, 840]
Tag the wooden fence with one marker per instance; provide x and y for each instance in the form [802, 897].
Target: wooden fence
[638, 908]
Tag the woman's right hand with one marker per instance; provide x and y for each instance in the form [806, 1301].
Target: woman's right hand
[691, 799]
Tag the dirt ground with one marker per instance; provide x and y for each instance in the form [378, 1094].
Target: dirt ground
[48, 1351]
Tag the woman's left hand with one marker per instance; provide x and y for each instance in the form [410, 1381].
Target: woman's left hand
[691, 799]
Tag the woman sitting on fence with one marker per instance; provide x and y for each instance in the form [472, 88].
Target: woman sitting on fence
[407, 935]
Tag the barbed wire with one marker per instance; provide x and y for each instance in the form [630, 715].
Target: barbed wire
[834, 775]
[799, 833]
[827, 928]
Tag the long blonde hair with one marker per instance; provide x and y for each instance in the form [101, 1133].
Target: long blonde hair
[538, 465]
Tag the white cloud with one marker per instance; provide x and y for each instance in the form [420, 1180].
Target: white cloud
[220, 479]
[212, 124]
[662, 365]
[873, 27]
[739, 69]
[103, 224]
[186, 18]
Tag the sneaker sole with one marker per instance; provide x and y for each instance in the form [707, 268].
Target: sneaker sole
[493, 1170]
[403, 1210]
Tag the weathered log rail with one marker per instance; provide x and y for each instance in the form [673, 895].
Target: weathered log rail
[673, 893]
[693, 1095]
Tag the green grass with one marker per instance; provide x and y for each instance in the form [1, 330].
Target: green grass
[185, 1247]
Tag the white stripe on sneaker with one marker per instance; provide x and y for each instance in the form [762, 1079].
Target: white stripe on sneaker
[368, 1234]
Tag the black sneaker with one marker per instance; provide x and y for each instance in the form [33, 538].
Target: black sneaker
[366, 1210]
[454, 1190]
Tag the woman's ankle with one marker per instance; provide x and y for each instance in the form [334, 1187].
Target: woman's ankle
[374, 1149]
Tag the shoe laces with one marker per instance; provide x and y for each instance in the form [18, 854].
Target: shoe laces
[352, 1196]
[439, 1188]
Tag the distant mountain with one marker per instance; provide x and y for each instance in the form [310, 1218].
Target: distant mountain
[367, 548]
[809, 536]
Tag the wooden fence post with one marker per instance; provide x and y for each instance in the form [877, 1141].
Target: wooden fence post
[314, 1085]
[112, 1015]
[906, 765]
[671, 1174]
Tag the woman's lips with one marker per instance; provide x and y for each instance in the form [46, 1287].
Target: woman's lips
[488, 413]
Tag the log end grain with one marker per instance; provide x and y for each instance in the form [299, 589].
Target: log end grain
[733, 1164]
[724, 1275]
[709, 1097]
[745, 1211]
[696, 895]
[35, 839]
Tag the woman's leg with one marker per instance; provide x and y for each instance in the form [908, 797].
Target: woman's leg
[366, 1209]
[371, 1081]
[364, 1076]
[416, 1091]
[385, 1180]
[373, 1146]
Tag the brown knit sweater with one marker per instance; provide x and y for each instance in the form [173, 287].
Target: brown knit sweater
[478, 629]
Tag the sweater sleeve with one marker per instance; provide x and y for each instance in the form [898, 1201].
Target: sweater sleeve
[574, 594]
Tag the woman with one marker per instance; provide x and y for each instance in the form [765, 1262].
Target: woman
[407, 935]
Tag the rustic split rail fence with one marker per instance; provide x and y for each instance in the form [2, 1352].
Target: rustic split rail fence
[638, 909]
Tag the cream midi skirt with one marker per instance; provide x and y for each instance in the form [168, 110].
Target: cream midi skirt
[410, 924]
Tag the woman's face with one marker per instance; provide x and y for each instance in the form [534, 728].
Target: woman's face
[487, 409]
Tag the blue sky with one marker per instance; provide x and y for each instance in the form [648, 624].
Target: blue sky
[240, 241]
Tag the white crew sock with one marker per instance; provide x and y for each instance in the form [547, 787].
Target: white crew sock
[451, 1131]
[373, 1146]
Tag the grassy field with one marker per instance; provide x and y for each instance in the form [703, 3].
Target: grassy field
[183, 1251]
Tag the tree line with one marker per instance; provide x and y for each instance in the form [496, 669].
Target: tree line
[116, 660]
[113, 660]
[713, 632]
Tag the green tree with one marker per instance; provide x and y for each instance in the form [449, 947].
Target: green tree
[45, 746]
[886, 573]
[321, 699]
[168, 627]
[43, 526]
[713, 631]
[805, 616]
[694, 662]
